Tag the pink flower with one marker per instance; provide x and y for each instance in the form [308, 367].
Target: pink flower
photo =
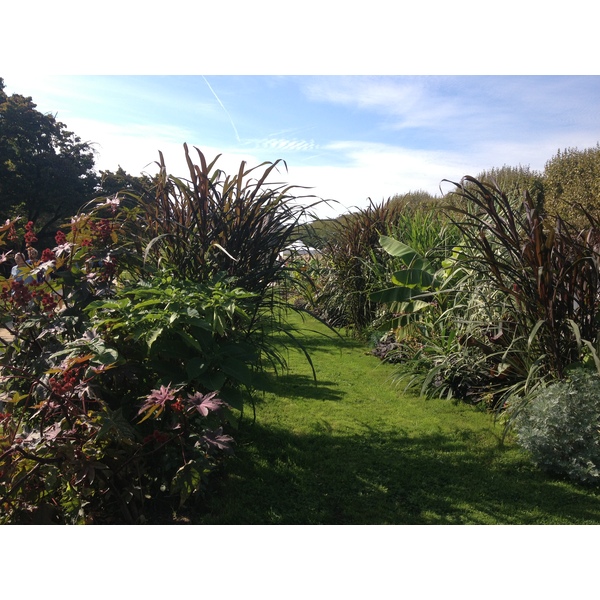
[161, 396]
[156, 401]
[205, 403]
[217, 440]
[112, 202]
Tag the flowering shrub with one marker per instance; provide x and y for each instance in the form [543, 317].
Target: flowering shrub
[88, 434]
[71, 459]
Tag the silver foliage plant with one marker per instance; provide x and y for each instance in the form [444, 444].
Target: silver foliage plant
[560, 427]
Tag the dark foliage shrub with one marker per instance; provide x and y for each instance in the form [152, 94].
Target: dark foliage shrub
[89, 432]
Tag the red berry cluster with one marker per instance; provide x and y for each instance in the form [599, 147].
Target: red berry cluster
[30, 237]
[48, 255]
[20, 294]
[66, 384]
[156, 436]
[60, 238]
[48, 303]
[102, 229]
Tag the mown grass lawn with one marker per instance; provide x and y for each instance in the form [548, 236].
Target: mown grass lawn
[354, 449]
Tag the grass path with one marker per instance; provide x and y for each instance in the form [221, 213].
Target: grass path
[355, 450]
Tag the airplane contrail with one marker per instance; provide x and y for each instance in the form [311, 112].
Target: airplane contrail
[223, 107]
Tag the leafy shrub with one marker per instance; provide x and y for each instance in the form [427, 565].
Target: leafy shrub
[180, 333]
[560, 426]
[513, 181]
[80, 442]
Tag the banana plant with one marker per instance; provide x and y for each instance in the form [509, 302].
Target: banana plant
[412, 285]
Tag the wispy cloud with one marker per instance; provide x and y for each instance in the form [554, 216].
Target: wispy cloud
[237, 135]
[465, 109]
[407, 101]
[287, 145]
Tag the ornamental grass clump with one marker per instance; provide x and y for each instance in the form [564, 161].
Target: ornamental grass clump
[560, 426]
[527, 305]
[547, 273]
[211, 223]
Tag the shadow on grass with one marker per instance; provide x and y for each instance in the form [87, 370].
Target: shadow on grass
[312, 340]
[281, 478]
[297, 386]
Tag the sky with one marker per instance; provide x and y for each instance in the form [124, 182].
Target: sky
[346, 137]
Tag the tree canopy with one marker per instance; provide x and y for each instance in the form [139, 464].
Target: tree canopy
[572, 181]
[46, 171]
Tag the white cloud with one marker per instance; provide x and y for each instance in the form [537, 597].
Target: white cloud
[282, 144]
[367, 170]
[410, 101]
[376, 171]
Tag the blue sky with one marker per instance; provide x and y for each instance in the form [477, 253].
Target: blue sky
[346, 137]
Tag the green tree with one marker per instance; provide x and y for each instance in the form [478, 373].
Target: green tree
[572, 181]
[46, 171]
[120, 181]
[515, 181]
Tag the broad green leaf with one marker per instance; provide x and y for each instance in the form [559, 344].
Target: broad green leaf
[397, 248]
[154, 335]
[214, 381]
[189, 340]
[108, 356]
[187, 480]
[416, 306]
[413, 278]
[395, 294]
[238, 370]
[146, 303]
[114, 424]
[192, 312]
